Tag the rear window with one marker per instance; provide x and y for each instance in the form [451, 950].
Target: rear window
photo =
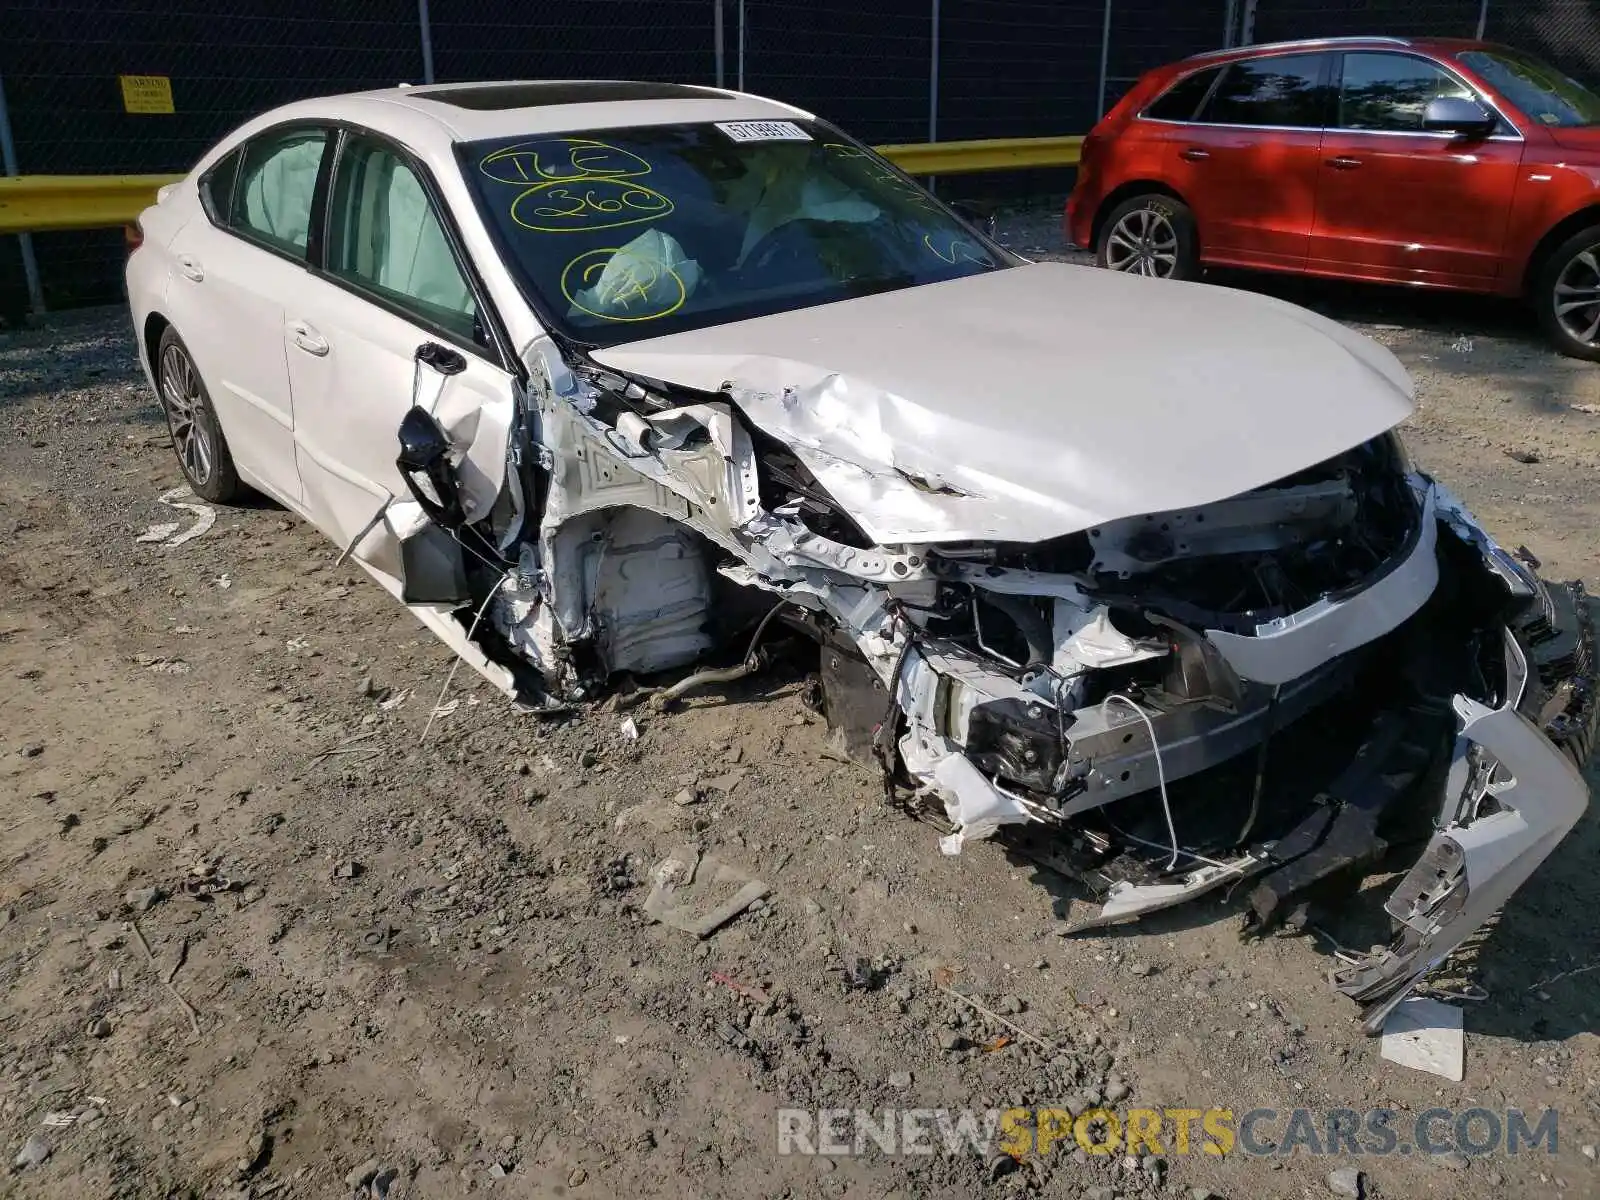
[1289, 91]
[1182, 99]
[216, 187]
[622, 234]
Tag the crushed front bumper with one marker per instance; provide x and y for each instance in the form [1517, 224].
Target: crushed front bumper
[1514, 790]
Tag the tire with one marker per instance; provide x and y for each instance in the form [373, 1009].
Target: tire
[1152, 235]
[1566, 295]
[197, 439]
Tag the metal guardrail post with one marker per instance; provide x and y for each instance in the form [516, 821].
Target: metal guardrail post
[933, 78]
[1105, 57]
[716, 38]
[8, 154]
[1247, 26]
[1483, 19]
[741, 45]
[425, 27]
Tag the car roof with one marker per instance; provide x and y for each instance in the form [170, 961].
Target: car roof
[1371, 42]
[467, 112]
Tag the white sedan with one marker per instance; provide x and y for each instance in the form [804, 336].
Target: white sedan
[604, 378]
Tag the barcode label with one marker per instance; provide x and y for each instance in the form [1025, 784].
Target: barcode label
[764, 131]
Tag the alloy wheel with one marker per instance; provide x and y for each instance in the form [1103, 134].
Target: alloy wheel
[1143, 242]
[1577, 298]
[182, 398]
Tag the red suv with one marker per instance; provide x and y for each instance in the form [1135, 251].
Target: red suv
[1429, 162]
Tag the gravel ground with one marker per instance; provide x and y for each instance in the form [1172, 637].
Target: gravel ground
[258, 939]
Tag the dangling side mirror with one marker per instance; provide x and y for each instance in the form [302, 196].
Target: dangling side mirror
[424, 463]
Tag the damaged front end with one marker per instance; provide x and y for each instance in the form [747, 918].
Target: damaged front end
[1329, 672]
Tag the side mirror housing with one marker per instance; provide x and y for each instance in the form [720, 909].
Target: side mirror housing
[424, 463]
[1457, 114]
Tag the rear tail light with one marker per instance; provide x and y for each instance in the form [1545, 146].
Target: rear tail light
[133, 236]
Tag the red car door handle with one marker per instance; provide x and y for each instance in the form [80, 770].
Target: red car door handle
[1195, 154]
[1344, 164]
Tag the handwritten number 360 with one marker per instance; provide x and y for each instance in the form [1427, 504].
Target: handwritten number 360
[596, 205]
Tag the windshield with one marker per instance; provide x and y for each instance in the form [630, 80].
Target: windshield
[627, 233]
[1538, 89]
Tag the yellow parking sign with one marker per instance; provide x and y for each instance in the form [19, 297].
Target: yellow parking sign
[146, 93]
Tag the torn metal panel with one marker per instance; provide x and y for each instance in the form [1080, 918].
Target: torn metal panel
[1125, 901]
[1088, 641]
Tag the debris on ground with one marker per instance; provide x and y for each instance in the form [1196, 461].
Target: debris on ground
[691, 894]
[1426, 1035]
[34, 1152]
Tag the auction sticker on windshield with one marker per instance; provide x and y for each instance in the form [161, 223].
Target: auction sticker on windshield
[764, 131]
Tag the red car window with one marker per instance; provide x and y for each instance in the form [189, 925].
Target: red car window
[1183, 99]
[1289, 90]
[1390, 91]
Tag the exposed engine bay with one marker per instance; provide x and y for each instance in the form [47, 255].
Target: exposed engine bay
[1287, 686]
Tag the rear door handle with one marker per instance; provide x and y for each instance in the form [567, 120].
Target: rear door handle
[1194, 154]
[1344, 163]
[191, 267]
[307, 338]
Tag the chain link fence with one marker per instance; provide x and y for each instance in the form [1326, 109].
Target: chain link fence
[1286, 20]
[892, 71]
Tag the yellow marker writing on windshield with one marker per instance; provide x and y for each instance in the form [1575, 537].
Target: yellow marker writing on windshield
[588, 204]
[959, 250]
[556, 160]
[635, 288]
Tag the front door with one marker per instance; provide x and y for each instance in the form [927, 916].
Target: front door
[1397, 203]
[392, 282]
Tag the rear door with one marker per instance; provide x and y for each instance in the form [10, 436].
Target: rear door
[1397, 203]
[392, 279]
[1247, 162]
[235, 271]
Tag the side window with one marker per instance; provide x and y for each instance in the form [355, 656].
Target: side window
[1390, 91]
[1180, 101]
[277, 179]
[1290, 90]
[216, 187]
[385, 237]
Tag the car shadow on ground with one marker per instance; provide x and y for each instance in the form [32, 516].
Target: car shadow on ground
[1432, 309]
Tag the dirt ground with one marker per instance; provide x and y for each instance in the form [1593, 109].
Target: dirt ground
[258, 939]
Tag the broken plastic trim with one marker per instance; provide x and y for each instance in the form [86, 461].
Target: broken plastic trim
[1473, 865]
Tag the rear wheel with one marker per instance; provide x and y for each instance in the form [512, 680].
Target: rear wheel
[1151, 235]
[1566, 294]
[196, 434]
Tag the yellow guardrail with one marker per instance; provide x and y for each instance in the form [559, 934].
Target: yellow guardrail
[997, 154]
[39, 203]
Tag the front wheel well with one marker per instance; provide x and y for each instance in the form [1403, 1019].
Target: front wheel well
[1139, 187]
[1554, 236]
[154, 326]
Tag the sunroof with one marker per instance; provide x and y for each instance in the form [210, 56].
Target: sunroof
[492, 97]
